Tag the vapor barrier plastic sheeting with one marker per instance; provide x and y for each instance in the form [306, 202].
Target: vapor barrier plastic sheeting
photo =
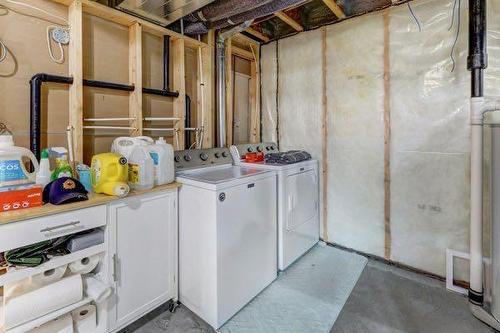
[300, 95]
[430, 135]
[355, 89]
[307, 297]
[269, 84]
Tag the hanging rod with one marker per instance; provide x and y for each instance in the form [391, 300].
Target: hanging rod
[152, 129]
[108, 119]
[161, 119]
[110, 127]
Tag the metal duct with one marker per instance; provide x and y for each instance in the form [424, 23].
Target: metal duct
[221, 9]
[264, 10]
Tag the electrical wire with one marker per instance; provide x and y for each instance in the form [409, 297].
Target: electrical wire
[414, 17]
[455, 5]
[3, 51]
[59, 60]
[19, 3]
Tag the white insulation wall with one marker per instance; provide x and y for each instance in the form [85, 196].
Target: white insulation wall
[428, 105]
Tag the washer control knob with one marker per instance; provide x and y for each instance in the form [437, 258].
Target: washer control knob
[259, 149]
[204, 156]
[224, 154]
[217, 155]
[177, 158]
[187, 158]
[272, 147]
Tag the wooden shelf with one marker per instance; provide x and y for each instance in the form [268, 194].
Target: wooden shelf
[15, 275]
[51, 316]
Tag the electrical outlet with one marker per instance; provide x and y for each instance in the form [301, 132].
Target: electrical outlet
[60, 35]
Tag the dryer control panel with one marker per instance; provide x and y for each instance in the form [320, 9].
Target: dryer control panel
[196, 158]
[263, 147]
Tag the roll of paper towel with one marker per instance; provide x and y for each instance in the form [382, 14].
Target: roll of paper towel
[62, 324]
[48, 277]
[97, 290]
[85, 265]
[41, 301]
[84, 319]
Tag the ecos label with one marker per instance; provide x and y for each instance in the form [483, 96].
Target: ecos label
[11, 170]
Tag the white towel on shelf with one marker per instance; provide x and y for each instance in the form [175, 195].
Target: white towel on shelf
[41, 301]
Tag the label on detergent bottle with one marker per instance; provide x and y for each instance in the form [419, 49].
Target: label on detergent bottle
[12, 171]
[133, 173]
[154, 156]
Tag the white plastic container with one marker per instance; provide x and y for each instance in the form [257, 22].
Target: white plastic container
[12, 170]
[140, 168]
[167, 167]
[125, 145]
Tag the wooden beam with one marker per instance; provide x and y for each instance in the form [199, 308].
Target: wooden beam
[335, 8]
[205, 95]
[179, 84]
[255, 99]
[75, 64]
[258, 34]
[135, 77]
[288, 20]
[239, 52]
[229, 92]
[244, 40]
[110, 14]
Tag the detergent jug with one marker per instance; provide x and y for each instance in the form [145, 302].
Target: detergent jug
[109, 173]
[141, 168]
[124, 145]
[164, 168]
[12, 169]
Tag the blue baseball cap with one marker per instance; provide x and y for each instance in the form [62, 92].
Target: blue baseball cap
[64, 190]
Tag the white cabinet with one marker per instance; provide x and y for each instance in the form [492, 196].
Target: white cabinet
[143, 252]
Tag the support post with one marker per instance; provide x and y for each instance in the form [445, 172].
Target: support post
[135, 77]
[229, 91]
[179, 84]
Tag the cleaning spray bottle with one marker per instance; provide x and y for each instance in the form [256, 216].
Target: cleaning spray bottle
[43, 174]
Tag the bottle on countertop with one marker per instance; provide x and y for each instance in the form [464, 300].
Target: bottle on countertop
[12, 168]
[43, 175]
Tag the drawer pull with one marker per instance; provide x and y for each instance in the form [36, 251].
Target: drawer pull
[71, 224]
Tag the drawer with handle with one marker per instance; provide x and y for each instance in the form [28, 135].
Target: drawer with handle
[14, 235]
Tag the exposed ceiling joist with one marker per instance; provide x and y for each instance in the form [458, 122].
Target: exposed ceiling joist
[257, 34]
[335, 8]
[290, 21]
[237, 51]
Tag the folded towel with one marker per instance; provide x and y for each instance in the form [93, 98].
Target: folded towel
[289, 157]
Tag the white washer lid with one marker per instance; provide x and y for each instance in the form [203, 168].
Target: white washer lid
[220, 175]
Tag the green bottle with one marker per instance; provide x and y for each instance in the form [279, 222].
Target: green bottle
[63, 169]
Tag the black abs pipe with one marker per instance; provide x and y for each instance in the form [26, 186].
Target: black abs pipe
[477, 60]
[187, 123]
[36, 96]
[166, 74]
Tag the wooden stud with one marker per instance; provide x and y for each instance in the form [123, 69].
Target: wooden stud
[135, 77]
[258, 34]
[244, 40]
[387, 139]
[75, 62]
[288, 20]
[179, 84]
[324, 127]
[229, 92]
[335, 8]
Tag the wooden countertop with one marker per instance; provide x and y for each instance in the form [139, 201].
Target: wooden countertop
[94, 200]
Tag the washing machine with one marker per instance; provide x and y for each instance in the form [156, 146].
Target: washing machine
[297, 199]
[227, 232]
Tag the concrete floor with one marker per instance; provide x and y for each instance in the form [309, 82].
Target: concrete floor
[386, 299]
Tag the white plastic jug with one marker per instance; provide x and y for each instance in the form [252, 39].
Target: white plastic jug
[167, 172]
[12, 170]
[124, 145]
[140, 168]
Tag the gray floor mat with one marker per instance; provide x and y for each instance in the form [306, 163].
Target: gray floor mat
[391, 300]
[307, 297]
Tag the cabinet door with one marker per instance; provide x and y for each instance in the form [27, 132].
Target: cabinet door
[144, 242]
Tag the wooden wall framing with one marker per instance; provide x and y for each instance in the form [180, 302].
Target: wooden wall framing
[136, 26]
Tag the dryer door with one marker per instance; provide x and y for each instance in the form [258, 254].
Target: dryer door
[302, 198]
